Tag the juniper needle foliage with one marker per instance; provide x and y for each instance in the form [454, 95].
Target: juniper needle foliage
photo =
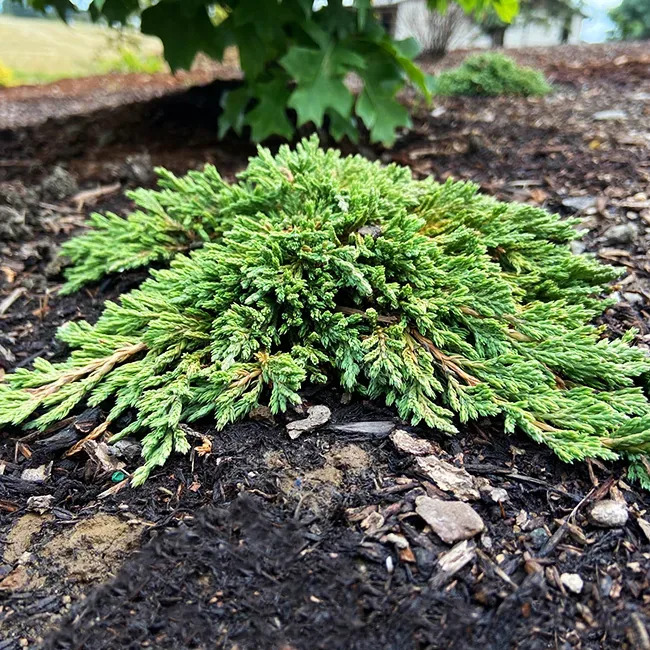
[315, 267]
[491, 73]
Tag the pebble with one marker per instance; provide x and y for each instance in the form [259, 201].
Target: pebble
[622, 233]
[497, 495]
[606, 116]
[538, 537]
[452, 521]
[609, 513]
[573, 582]
[12, 224]
[580, 203]
[40, 503]
[633, 298]
[577, 247]
[59, 184]
[128, 448]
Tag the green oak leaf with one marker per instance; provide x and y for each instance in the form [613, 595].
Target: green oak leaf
[269, 117]
[168, 20]
[234, 104]
[382, 114]
[311, 101]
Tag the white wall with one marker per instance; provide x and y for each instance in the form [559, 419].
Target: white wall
[413, 21]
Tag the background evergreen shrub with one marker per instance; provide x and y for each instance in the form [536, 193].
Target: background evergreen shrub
[446, 304]
[491, 73]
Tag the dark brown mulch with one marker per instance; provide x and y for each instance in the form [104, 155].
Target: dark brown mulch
[258, 544]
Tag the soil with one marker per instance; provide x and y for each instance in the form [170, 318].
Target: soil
[255, 540]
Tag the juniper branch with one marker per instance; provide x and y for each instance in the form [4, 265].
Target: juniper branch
[446, 304]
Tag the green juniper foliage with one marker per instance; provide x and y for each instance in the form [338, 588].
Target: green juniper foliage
[491, 73]
[447, 304]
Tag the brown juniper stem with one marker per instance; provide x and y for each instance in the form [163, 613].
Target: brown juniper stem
[97, 368]
[445, 361]
[95, 433]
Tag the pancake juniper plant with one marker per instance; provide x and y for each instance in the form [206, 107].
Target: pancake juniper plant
[447, 304]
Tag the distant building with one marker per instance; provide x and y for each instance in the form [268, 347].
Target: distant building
[412, 18]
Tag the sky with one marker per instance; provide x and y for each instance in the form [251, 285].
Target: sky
[597, 24]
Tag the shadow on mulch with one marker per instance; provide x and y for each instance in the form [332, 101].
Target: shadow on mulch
[252, 576]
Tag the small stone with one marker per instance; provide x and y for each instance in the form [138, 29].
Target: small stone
[375, 428]
[633, 298]
[370, 231]
[606, 584]
[12, 224]
[317, 416]
[538, 537]
[577, 247]
[66, 600]
[409, 444]
[452, 521]
[609, 513]
[448, 477]
[606, 116]
[128, 448]
[573, 582]
[580, 203]
[399, 541]
[40, 504]
[59, 184]
[622, 233]
[139, 168]
[497, 495]
[25, 558]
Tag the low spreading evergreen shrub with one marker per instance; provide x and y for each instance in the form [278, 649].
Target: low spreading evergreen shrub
[447, 304]
[491, 73]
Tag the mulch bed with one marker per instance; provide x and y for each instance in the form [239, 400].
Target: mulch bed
[267, 542]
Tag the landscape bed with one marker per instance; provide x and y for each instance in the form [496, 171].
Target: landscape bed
[267, 547]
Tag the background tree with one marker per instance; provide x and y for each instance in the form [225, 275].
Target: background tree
[437, 30]
[295, 58]
[632, 19]
[532, 11]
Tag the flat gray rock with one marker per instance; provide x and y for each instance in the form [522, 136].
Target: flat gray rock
[448, 477]
[378, 428]
[452, 521]
[580, 203]
[605, 116]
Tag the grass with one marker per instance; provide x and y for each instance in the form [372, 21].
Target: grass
[41, 51]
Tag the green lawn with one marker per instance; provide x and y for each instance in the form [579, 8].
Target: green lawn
[39, 50]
